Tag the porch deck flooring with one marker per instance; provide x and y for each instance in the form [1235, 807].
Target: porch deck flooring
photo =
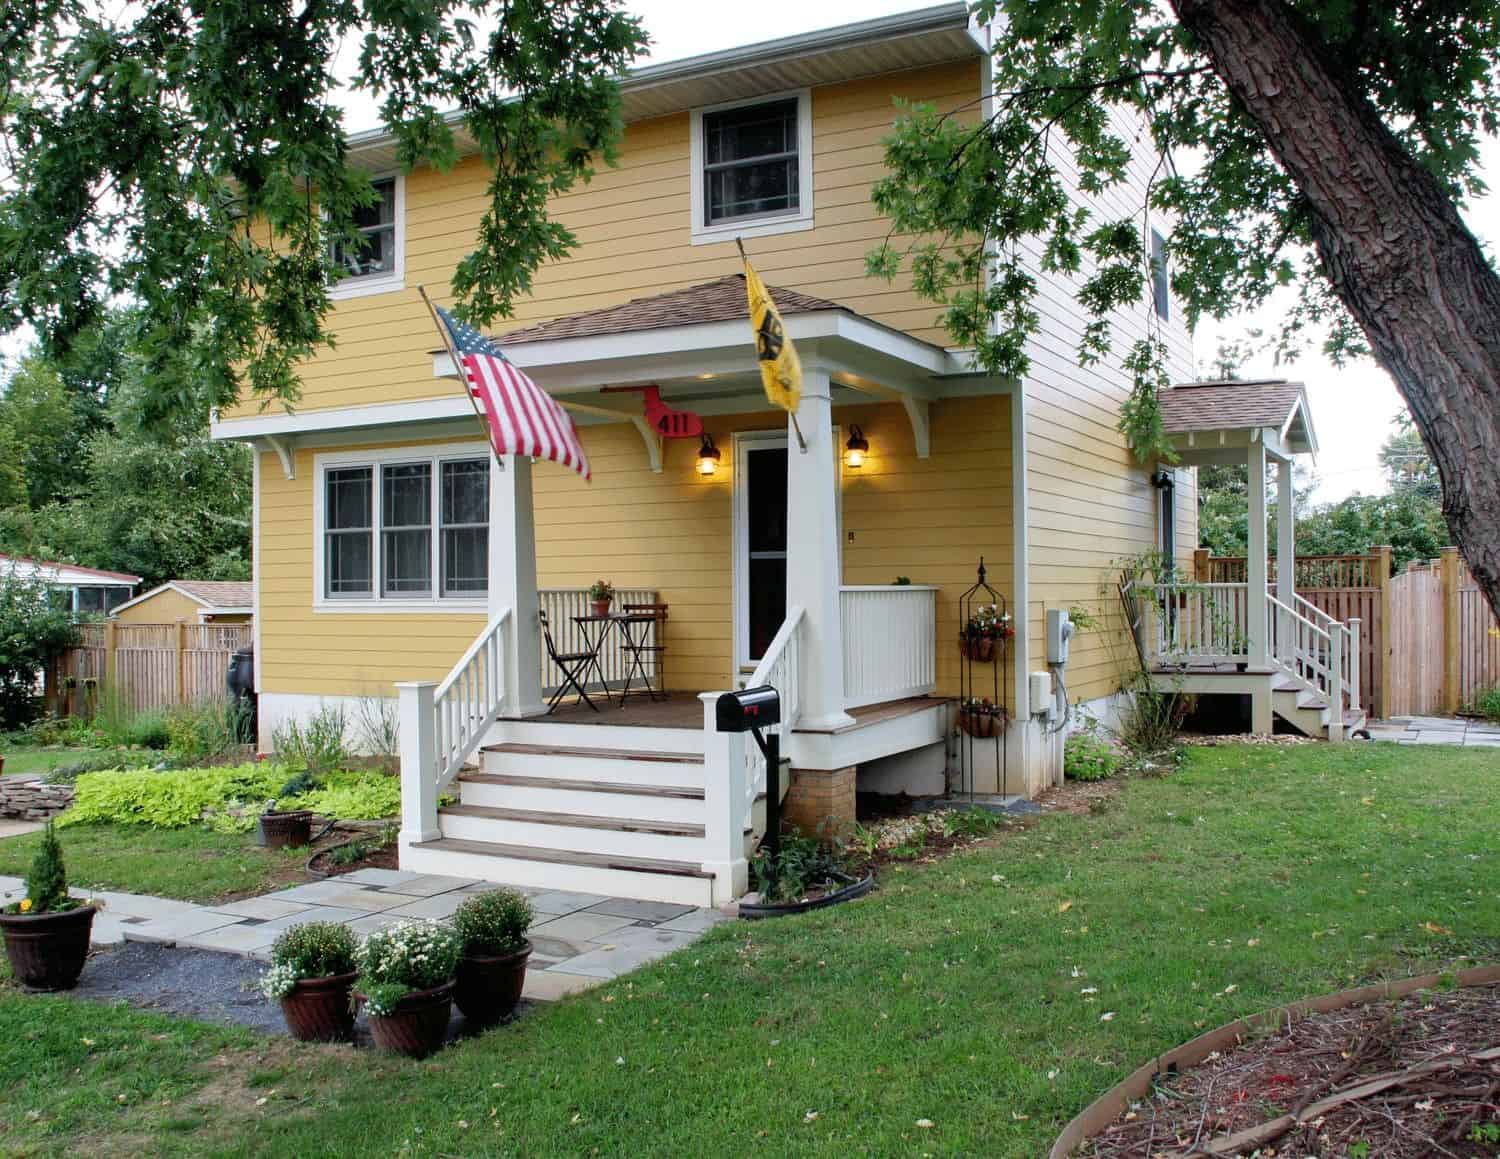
[684, 710]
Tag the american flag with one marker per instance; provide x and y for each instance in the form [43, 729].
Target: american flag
[523, 419]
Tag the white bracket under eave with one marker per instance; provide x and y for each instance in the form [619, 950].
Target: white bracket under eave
[286, 452]
[919, 414]
[649, 437]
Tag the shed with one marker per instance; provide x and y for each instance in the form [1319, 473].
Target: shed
[191, 601]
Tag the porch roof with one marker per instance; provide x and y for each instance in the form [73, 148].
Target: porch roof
[1202, 418]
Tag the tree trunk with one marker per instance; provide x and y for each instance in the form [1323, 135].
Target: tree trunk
[1393, 245]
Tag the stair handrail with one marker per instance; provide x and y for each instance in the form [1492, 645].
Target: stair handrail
[1349, 633]
[780, 667]
[468, 700]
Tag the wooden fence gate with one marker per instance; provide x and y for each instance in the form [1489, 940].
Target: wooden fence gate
[1417, 632]
[149, 666]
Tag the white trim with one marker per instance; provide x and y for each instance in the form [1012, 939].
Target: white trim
[255, 618]
[802, 218]
[375, 603]
[366, 284]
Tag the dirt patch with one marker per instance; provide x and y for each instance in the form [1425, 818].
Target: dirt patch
[1401, 1079]
[322, 863]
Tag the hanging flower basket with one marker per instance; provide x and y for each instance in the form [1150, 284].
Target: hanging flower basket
[977, 648]
[980, 718]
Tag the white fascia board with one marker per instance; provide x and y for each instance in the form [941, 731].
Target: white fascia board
[342, 418]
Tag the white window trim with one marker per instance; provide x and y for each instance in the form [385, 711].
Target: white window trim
[381, 283]
[375, 602]
[802, 218]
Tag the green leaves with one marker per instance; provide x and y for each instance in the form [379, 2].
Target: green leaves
[192, 160]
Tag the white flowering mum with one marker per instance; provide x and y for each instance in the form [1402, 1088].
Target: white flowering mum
[404, 958]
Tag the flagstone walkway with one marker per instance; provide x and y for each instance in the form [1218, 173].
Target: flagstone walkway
[1454, 730]
[579, 939]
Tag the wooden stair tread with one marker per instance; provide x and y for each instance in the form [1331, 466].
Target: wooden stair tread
[575, 820]
[547, 750]
[566, 857]
[624, 788]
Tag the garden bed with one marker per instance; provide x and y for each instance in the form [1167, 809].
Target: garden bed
[1402, 1077]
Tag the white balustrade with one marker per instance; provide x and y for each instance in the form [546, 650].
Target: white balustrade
[890, 642]
[561, 605]
[1193, 623]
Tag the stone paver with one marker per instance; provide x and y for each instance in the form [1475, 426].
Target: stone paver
[579, 939]
[1448, 730]
[10, 827]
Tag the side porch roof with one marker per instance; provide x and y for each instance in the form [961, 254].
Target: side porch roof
[1213, 422]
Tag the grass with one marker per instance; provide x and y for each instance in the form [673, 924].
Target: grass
[25, 759]
[194, 864]
[956, 994]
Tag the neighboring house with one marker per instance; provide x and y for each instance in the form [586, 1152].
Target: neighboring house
[89, 591]
[388, 547]
[192, 602]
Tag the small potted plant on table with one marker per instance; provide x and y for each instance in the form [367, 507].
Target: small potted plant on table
[601, 595]
[47, 932]
[406, 983]
[492, 970]
[312, 976]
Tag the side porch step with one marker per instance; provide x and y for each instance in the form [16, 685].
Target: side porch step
[651, 768]
[646, 878]
[574, 820]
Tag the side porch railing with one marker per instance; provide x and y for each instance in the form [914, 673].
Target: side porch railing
[890, 642]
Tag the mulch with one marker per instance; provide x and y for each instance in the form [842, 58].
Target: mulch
[1410, 1078]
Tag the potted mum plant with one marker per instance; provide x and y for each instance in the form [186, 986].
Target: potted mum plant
[406, 983]
[601, 595]
[492, 927]
[312, 976]
[47, 932]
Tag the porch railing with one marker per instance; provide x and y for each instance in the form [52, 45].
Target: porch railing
[443, 723]
[734, 771]
[890, 642]
[1182, 623]
[1317, 649]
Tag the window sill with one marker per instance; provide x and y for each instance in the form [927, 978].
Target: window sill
[363, 287]
[762, 227]
[475, 607]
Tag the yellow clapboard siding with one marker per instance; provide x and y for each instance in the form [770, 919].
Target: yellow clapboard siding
[166, 606]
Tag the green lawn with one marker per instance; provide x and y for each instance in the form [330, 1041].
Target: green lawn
[39, 760]
[956, 994]
[194, 864]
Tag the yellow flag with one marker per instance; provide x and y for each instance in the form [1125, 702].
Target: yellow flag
[780, 370]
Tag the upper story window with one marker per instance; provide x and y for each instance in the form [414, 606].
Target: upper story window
[1161, 282]
[403, 528]
[752, 167]
[372, 264]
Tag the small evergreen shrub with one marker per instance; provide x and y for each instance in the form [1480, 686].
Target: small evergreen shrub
[494, 922]
[308, 950]
[403, 959]
[47, 880]
[1089, 757]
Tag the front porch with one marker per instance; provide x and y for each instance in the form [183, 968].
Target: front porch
[766, 559]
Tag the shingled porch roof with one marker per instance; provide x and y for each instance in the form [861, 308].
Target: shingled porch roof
[1197, 414]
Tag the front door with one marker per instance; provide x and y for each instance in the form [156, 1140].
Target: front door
[763, 546]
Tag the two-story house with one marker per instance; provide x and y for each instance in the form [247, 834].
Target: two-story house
[392, 548]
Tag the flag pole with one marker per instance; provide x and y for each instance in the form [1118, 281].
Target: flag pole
[458, 365]
[791, 414]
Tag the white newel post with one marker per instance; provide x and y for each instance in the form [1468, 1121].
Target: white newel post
[812, 555]
[724, 796]
[513, 583]
[1256, 569]
[418, 762]
[1286, 553]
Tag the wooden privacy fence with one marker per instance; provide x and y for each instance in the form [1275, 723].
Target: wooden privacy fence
[1416, 632]
[149, 666]
[1342, 586]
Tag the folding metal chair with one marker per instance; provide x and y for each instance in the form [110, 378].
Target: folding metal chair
[655, 649]
[572, 665]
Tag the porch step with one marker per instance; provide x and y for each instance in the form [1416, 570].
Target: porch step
[645, 878]
[590, 797]
[574, 820]
[649, 768]
[539, 730]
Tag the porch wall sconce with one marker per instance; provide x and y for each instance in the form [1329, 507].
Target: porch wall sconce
[708, 456]
[856, 448]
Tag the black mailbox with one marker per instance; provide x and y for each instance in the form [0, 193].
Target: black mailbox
[748, 709]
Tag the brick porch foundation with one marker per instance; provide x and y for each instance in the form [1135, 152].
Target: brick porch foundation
[820, 802]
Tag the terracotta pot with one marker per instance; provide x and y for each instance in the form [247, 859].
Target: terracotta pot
[488, 987]
[319, 1010]
[980, 648]
[47, 951]
[601, 607]
[418, 1025]
[286, 829]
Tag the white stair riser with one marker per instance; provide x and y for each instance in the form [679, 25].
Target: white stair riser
[540, 836]
[619, 770]
[601, 736]
[586, 802]
[664, 887]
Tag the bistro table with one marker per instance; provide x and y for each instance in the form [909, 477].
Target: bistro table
[634, 629]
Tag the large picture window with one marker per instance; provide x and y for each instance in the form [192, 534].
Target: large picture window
[405, 530]
[752, 167]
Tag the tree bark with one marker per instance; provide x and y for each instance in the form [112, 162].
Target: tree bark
[1391, 242]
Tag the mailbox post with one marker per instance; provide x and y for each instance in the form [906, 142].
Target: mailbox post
[752, 710]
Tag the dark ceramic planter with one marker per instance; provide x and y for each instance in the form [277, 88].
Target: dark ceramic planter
[419, 1024]
[283, 830]
[47, 951]
[319, 1009]
[488, 987]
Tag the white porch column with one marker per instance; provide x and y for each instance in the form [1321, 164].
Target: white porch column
[812, 554]
[1255, 564]
[1286, 551]
[513, 583]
